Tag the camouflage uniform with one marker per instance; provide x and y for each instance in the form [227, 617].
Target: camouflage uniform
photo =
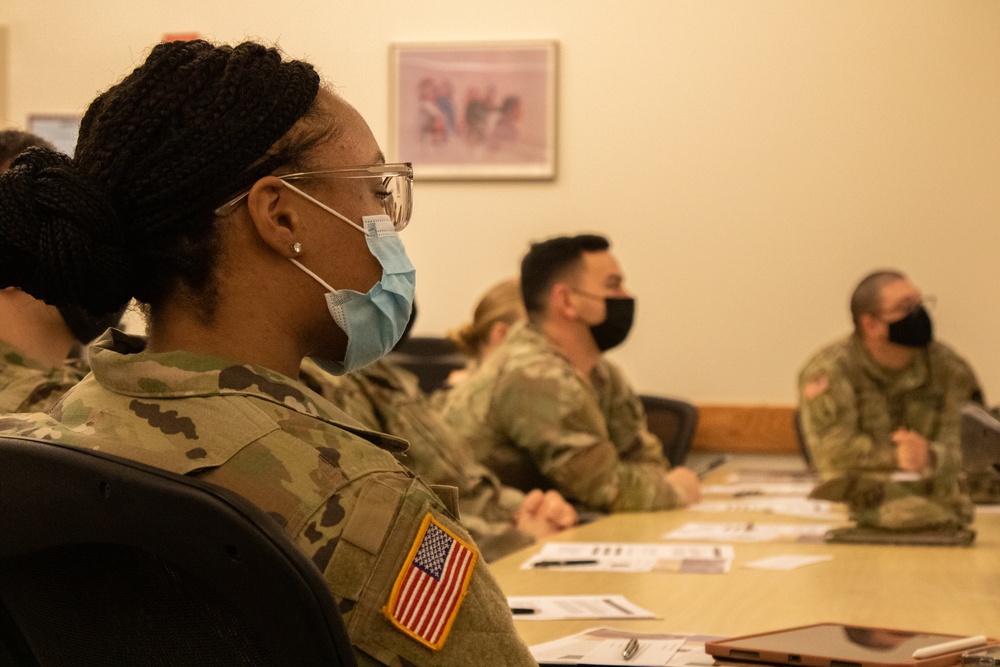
[385, 397]
[27, 385]
[850, 406]
[536, 421]
[335, 487]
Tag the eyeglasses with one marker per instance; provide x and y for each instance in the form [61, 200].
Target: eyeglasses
[395, 194]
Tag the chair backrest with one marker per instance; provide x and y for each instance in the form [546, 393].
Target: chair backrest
[105, 561]
[430, 358]
[980, 437]
[673, 421]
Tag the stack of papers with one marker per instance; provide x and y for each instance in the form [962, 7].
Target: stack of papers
[802, 507]
[631, 557]
[749, 531]
[802, 489]
[604, 646]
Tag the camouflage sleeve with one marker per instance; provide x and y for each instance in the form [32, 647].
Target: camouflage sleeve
[557, 421]
[628, 426]
[376, 527]
[829, 419]
[962, 387]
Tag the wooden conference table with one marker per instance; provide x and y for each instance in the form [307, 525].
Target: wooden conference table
[943, 589]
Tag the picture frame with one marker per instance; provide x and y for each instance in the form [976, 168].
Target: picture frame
[475, 110]
[59, 129]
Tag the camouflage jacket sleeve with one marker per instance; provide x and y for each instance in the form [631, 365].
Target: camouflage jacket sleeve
[362, 539]
[626, 418]
[555, 417]
[828, 413]
[960, 387]
[28, 386]
[388, 399]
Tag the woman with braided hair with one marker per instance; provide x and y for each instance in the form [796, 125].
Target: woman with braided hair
[251, 211]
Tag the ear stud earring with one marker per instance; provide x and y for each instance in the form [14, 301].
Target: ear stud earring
[296, 248]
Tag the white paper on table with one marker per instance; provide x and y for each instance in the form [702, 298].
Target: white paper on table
[801, 507]
[987, 509]
[786, 562]
[761, 488]
[649, 653]
[556, 607]
[630, 557]
[749, 531]
[575, 649]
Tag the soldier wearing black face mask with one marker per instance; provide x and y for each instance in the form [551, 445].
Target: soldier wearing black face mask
[881, 409]
[547, 410]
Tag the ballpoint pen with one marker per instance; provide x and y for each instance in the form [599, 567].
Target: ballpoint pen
[630, 648]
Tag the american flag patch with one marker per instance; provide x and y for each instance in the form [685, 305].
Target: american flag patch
[432, 584]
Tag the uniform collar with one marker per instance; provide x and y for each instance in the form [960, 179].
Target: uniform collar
[526, 332]
[121, 364]
[913, 375]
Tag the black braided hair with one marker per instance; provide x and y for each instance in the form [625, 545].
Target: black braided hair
[15, 142]
[132, 213]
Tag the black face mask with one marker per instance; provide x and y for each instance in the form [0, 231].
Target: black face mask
[616, 325]
[914, 330]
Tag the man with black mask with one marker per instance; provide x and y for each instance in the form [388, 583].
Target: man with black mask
[547, 410]
[886, 403]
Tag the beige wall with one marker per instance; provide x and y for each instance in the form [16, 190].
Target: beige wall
[750, 159]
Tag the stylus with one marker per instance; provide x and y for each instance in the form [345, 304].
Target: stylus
[948, 647]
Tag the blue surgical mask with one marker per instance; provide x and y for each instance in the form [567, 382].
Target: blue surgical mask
[373, 321]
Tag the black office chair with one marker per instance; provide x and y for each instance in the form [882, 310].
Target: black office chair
[673, 422]
[430, 358]
[104, 561]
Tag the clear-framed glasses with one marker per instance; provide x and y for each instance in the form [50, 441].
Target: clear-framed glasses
[395, 191]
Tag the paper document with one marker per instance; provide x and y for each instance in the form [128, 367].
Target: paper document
[786, 562]
[772, 476]
[594, 645]
[802, 507]
[558, 607]
[629, 557]
[761, 489]
[749, 531]
[604, 646]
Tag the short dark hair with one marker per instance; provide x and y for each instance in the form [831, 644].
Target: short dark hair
[867, 296]
[132, 213]
[15, 142]
[549, 261]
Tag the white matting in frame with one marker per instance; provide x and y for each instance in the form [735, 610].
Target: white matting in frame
[484, 110]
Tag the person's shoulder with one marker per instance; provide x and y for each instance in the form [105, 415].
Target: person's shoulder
[829, 359]
[943, 354]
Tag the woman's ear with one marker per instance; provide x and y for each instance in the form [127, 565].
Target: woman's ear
[276, 220]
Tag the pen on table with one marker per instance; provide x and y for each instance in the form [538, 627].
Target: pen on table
[522, 610]
[948, 647]
[630, 648]
[563, 563]
[712, 466]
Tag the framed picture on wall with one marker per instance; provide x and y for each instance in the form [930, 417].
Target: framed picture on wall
[463, 111]
[59, 129]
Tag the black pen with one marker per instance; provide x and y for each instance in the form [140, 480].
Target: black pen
[562, 563]
[523, 610]
[712, 466]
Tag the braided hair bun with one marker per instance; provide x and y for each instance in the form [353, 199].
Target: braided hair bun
[132, 213]
[61, 237]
